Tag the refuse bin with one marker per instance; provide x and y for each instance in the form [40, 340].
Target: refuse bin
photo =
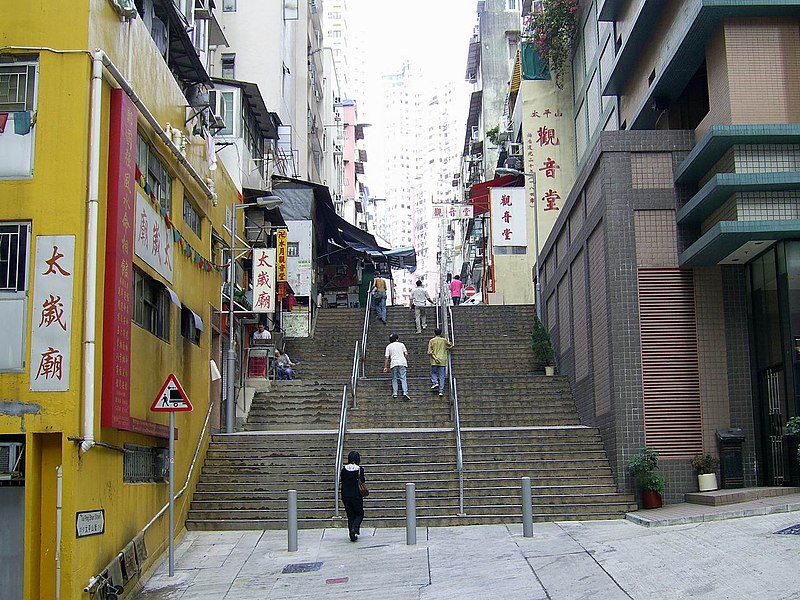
[731, 458]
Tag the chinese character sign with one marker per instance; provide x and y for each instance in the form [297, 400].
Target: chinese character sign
[282, 247]
[264, 280]
[151, 239]
[118, 282]
[452, 211]
[51, 319]
[548, 135]
[509, 225]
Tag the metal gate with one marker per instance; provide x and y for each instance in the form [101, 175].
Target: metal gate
[772, 390]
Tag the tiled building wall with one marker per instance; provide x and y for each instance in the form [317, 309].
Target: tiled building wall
[651, 170]
[768, 206]
[719, 101]
[577, 217]
[564, 340]
[766, 158]
[763, 69]
[598, 308]
[726, 164]
[656, 238]
[740, 390]
[579, 325]
[712, 354]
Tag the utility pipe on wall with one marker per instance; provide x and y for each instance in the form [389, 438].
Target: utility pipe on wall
[100, 60]
[59, 498]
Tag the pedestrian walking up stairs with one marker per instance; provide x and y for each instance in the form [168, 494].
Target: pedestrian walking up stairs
[288, 442]
[516, 422]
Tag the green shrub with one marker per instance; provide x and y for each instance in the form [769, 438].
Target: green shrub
[642, 466]
[541, 345]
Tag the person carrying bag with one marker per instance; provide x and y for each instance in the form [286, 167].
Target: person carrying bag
[354, 490]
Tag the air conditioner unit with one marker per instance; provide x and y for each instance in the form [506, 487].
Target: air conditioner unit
[11, 466]
[515, 149]
[475, 133]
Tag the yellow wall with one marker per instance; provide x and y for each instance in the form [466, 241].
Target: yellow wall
[54, 201]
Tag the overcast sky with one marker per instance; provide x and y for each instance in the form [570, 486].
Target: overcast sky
[434, 34]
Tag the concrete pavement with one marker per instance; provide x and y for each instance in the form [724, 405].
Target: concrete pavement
[729, 558]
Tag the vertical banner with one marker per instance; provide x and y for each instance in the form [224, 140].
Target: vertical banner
[509, 224]
[282, 244]
[549, 137]
[118, 285]
[263, 280]
[51, 319]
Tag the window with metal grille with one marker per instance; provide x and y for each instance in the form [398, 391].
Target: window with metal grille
[151, 305]
[17, 84]
[143, 464]
[192, 218]
[155, 173]
[13, 256]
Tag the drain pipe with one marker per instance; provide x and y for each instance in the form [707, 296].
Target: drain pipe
[59, 497]
[100, 60]
[90, 294]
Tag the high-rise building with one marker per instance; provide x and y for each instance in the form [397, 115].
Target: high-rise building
[670, 277]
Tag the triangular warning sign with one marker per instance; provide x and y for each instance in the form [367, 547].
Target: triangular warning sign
[171, 398]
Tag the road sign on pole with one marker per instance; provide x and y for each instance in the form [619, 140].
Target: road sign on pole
[171, 398]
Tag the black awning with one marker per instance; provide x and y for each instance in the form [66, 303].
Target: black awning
[473, 117]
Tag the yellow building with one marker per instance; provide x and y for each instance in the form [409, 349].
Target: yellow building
[109, 282]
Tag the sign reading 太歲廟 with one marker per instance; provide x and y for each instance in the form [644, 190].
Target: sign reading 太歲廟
[264, 280]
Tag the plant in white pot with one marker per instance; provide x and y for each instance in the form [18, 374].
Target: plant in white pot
[706, 468]
[542, 347]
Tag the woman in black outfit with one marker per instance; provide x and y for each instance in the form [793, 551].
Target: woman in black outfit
[351, 496]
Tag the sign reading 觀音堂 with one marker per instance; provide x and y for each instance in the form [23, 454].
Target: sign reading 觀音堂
[51, 319]
[509, 224]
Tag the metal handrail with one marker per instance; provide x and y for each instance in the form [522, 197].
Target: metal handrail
[354, 374]
[454, 413]
[340, 449]
[364, 332]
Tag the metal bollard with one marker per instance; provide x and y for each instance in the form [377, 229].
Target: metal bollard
[292, 524]
[527, 508]
[411, 515]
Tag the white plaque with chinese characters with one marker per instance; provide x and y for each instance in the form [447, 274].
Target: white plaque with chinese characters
[509, 216]
[264, 260]
[152, 241]
[51, 317]
[451, 211]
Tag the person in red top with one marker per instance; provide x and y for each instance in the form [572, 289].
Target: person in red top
[455, 289]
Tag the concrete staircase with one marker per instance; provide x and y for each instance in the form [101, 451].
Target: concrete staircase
[515, 423]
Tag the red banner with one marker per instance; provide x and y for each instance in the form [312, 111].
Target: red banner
[118, 285]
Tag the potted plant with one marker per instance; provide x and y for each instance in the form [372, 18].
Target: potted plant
[542, 347]
[706, 468]
[643, 466]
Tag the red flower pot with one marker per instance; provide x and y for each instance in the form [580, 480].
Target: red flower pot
[651, 500]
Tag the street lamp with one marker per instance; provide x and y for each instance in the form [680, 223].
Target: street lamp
[537, 283]
[268, 202]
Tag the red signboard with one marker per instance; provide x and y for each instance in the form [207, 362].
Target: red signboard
[282, 245]
[118, 283]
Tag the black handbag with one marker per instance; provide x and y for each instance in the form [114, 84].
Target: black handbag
[362, 487]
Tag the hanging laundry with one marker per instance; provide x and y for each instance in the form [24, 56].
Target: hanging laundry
[22, 123]
[3, 121]
[211, 153]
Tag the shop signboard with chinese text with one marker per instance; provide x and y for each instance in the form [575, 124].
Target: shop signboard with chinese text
[264, 280]
[282, 237]
[509, 224]
[51, 319]
[152, 239]
[452, 211]
[298, 257]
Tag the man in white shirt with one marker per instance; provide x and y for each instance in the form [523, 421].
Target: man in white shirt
[261, 333]
[419, 299]
[396, 359]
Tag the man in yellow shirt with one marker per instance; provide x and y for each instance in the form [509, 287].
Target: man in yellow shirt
[438, 349]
